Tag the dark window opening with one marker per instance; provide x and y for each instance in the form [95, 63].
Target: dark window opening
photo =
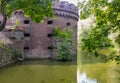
[15, 12]
[50, 22]
[20, 13]
[68, 24]
[49, 35]
[63, 16]
[9, 30]
[51, 47]
[12, 38]
[26, 35]
[60, 15]
[56, 14]
[26, 21]
[26, 48]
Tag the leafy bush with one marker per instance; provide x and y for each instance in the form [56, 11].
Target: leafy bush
[15, 54]
[64, 49]
[5, 49]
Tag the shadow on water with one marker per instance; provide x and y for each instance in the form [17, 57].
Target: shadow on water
[48, 62]
[45, 62]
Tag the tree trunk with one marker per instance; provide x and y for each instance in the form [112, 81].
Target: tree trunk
[3, 23]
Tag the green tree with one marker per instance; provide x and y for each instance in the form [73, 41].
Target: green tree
[107, 21]
[35, 9]
[64, 51]
[64, 48]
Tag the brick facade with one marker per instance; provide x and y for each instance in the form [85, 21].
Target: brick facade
[35, 38]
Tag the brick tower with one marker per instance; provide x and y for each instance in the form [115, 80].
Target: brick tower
[38, 37]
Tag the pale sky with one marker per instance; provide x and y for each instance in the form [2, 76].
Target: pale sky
[71, 1]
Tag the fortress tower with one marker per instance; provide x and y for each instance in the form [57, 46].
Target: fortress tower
[37, 37]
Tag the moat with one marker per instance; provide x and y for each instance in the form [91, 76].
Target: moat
[51, 71]
[39, 71]
[91, 69]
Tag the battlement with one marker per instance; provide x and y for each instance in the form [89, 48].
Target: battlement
[63, 5]
[18, 12]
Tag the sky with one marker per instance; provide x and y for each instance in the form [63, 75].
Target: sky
[71, 1]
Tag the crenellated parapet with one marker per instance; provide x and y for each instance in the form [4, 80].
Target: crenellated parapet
[65, 9]
[18, 13]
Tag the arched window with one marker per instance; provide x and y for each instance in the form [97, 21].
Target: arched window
[56, 14]
[15, 12]
[63, 16]
[69, 16]
[60, 15]
[20, 12]
[66, 16]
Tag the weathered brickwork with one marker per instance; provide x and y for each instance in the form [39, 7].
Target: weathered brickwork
[33, 39]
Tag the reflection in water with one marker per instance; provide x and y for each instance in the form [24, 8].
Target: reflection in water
[82, 78]
[39, 71]
[93, 69]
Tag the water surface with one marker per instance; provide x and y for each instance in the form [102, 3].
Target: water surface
[39, 71]
[93, 69]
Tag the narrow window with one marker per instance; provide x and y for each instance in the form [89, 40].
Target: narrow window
[68, 24]
[56, 14]
[12, 38]
[26, 21]
[50, 22]
[26, 35]
[15, 12]
[49, 35]
[26, 48]
[51, 47]
[20, 13]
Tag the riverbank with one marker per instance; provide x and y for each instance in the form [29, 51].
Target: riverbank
[35, 59]
[7, 63]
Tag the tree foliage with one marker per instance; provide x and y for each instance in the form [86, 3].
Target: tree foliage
[107, 21]
[5, 51]
[35, 9]
[64, 49]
